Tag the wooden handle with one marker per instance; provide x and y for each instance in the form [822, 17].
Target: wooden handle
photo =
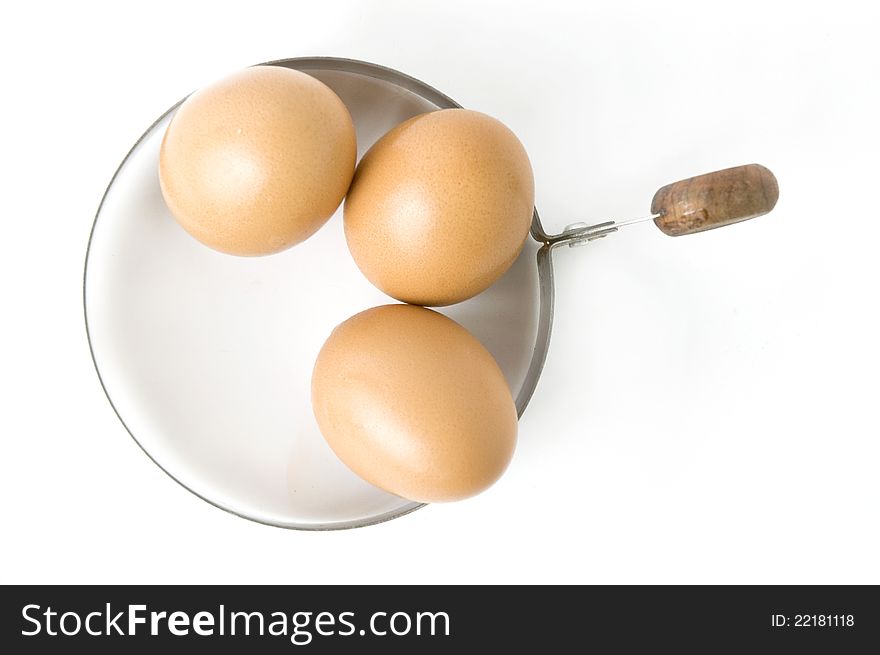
[715, 199]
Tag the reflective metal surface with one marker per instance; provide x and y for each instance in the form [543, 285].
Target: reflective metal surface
[544, 293]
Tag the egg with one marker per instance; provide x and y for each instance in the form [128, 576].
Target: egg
[258, 161]
[414, 404]
[440, 207]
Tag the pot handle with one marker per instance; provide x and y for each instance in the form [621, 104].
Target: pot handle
[689, 206]
[714, 200]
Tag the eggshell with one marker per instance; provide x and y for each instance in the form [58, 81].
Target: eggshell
[440, 207]
[258, 161]
[414, 404]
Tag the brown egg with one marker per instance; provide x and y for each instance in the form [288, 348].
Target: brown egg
[258, 161]
[414, 404]
[440, 207]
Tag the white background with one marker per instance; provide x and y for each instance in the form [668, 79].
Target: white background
[708, 412]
